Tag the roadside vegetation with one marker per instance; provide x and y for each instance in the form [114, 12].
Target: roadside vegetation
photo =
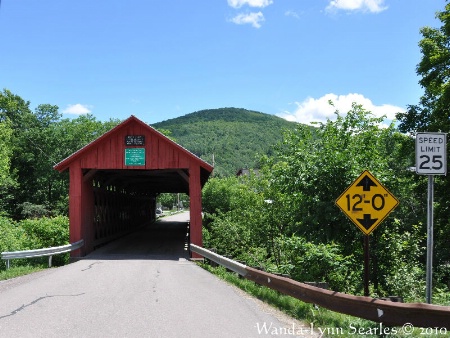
[29, 234]
[18, 271]
[34, 196]
[283, 218]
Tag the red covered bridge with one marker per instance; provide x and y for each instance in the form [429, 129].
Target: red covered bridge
[115, 179]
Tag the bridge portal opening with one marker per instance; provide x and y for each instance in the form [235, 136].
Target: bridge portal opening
[165, 239]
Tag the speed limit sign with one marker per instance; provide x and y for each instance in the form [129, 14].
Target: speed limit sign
[431, 153]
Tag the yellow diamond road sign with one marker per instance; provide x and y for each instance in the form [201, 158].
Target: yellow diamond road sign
[366, 202]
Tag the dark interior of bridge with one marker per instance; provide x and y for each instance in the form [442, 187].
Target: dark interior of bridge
[124, 211]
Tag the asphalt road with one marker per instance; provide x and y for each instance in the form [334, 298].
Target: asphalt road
[140, 286]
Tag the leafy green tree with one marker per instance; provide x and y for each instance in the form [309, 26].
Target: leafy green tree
[5, 150]
[6, 181]
[314, 167]
[16, 110]
[66, 136]
[37, 141]
[31, 145]
[37, 144]
[171, 200]
[431, 114]
[236, 220]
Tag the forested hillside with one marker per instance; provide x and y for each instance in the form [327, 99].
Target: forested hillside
[236, 137]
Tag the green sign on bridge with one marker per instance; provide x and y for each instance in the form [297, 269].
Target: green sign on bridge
[135, 156]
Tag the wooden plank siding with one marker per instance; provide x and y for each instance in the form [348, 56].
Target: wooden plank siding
[159, 153]
[195, 195]
[87, 204]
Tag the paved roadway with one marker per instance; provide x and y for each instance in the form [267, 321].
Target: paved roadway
[140, 286]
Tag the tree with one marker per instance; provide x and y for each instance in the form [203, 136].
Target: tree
[314, 167]
[62, 137]
[431, 114]
[5, 151]
[6, 181]
[35, 142]
[15, 110]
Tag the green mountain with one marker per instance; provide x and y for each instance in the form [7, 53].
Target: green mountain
[234, 137]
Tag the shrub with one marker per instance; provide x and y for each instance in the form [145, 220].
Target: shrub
[311, 262]
[46, 232]
[10, 237]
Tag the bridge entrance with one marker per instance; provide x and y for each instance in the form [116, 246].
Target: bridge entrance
[164, 239]
[115, 179]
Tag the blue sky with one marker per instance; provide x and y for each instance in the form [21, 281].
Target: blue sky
[160, 59]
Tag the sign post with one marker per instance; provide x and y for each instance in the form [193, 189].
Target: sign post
[431, 159]
[367, 203]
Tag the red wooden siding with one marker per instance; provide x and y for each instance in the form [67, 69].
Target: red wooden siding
[160, 153]
[195, 194]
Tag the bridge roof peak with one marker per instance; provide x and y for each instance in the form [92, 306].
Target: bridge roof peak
[107, 151]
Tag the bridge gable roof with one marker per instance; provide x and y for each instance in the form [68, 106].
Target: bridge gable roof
[108, 151]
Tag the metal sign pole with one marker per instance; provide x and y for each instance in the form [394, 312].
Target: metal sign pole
[429, 275]
[366, 265]
[431, 159]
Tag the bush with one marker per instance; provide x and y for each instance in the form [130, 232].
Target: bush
[46, 231]
[10, 237]
[400, 256]
[33, 234]
[311, 262]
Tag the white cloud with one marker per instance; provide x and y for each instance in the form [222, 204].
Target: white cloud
[77, 109]
[319, 110]
[372, 6]
[251, 3]
[253, 19]
[292, 14]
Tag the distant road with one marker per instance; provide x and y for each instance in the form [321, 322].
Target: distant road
[140, 286]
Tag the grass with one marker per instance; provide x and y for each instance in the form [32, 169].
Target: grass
[19, 271]
[324, 322]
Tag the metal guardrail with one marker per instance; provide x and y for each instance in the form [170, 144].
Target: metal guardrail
[378, 310]
[41, 252]
[226, 262]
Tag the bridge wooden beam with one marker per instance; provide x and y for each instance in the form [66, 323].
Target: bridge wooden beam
[195, 207]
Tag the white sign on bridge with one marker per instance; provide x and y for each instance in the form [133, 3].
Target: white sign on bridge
[431, 153]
